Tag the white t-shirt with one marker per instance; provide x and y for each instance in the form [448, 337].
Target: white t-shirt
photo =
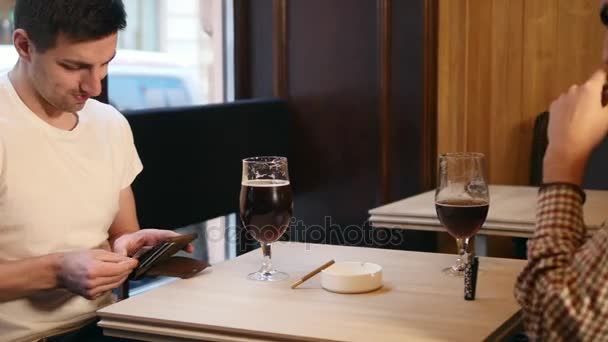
[59, 192]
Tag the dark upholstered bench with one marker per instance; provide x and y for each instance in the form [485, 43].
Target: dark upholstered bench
[192, 157]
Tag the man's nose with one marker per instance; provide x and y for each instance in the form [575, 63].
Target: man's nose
[91, 84]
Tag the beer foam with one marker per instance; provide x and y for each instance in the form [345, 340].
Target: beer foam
[472, 203]
[265, 182]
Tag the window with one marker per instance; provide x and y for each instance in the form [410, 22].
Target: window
[131, 92]
[6, 21]
[170, 54]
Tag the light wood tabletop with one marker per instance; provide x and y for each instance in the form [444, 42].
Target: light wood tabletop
[512, 212]
[416, 303]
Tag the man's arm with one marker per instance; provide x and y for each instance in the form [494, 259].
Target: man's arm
[88, 273]
[24, 277]
[563, 290]
[125, 221]
[125, 235]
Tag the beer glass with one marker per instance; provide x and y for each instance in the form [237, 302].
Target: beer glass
[266, 207]
[461, 200]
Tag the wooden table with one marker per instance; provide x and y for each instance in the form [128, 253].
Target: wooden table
[512, 212]
[417, 302]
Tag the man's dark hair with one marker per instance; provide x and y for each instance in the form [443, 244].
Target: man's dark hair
[79, 20]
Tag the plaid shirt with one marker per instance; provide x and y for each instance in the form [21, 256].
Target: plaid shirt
[563, 290]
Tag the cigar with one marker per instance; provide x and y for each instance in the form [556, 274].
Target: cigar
[312, 273]
[470, 278]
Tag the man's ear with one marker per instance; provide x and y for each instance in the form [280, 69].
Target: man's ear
[23, 44]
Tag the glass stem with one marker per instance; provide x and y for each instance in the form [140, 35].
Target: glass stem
[267, 262]
[463, 250]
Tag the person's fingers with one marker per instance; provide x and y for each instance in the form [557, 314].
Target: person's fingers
[189, 248]
[596, 86]
[162, 235]
[145, 237]
[103, 281]
[111, 269]
[121, 249]
[133, 246]
[158, 235]
[99, 291]
[106, 256]
[128, 244]
[554, 105]
[598, 79]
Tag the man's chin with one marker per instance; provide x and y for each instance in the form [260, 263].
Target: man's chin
[75, 107]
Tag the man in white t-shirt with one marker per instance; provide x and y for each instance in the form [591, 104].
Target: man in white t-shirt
[67, 212]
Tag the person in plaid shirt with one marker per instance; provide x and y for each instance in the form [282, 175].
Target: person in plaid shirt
[563, 290]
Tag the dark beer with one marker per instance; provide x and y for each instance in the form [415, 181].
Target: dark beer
[266, 208]
[462, 217]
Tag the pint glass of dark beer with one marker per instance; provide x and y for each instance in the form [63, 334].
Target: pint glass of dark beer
[266, 207]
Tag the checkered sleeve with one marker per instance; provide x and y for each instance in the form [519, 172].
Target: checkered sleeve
[563, 290]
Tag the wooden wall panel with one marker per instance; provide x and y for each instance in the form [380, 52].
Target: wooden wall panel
[385, 95]
[406, 127]
[540, 75]
[429, 66]
[506, 89]
[351, 72]
[478, 78]
[261, 57]
[333, 96]
[451, 107]
[501, 63]
[578, 25]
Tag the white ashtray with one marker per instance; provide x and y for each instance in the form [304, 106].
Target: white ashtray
[352, 277]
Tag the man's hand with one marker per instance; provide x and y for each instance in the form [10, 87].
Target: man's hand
[577, 124]
[91, 273]
[128, 244]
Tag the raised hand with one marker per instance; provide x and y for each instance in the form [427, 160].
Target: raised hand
[577, 124]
